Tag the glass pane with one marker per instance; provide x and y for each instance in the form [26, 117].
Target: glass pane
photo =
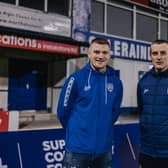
[58, 6]
[164, 30]
[119, 22]
[146, 28]
[8, 1]
[97, 17]
[34, 4]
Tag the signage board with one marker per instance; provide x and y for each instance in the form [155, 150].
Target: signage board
[162, 5]
[38, 45]
[33, 20]
[46, 148]
[126, 49]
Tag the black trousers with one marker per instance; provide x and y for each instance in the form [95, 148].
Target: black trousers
[147, 161]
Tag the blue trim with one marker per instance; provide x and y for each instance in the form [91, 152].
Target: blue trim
[131, 59]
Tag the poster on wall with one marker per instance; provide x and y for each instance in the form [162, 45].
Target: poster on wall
[81, 19]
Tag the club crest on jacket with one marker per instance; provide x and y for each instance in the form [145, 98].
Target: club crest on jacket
[110, 87]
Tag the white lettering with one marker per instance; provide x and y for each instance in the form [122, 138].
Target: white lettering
[124, 49]
[18, 41]
[2, 166]
[68, 91]
[54, 145]
[50, 166]
[54, 153]
[137, 51]
[49, 157]
[117, 48]
[57, 156]
[58, 165]
[163, 3]
[132, 50]
[62, 144]
[46, 145]
[143, 51]
[132, 53]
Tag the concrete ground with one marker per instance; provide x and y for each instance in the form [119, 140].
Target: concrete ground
[45, 120]
[40, 120]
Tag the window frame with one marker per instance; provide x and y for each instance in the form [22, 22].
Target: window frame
[135, 9]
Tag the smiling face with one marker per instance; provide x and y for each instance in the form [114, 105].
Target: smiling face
[159, 56]
[99, 55]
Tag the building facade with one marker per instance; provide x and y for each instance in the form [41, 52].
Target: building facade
[43, 41]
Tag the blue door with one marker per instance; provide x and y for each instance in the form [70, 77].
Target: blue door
[27, 85]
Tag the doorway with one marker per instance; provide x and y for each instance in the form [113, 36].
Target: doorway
[27, 88]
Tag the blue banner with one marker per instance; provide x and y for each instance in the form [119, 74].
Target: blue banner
[32, 149]
[45, 148]
[124, 48]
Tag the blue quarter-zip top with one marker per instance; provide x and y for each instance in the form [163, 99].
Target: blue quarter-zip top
[89, 105]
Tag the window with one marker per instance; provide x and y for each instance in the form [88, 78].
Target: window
[119, 21]
[34, 4]
[58, 6]
[8, 1]
[122, 18]
[97, 17]
[146, 28]
[164, 29]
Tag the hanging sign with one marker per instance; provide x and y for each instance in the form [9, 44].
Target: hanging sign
[38, 45]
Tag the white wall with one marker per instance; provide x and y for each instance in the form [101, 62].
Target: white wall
[13, 121]
[72, 66]
[129, 74]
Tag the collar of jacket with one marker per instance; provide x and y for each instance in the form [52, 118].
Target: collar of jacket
[109, 70]
[162, 73]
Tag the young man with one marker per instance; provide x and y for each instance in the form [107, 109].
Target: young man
[152, 97]
[89, 105]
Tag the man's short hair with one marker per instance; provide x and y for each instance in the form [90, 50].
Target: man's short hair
[158, 41]
[100, 40]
